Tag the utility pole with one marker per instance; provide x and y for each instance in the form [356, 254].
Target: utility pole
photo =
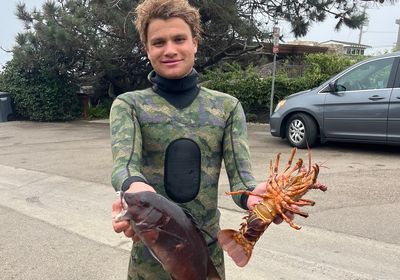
[398, 36]
[362, 26]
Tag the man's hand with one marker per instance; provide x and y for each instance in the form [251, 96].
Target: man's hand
[140, 187]
[125, 225]
[121, 226]
[253, 200]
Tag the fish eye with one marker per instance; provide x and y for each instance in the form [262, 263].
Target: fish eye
[144, 202]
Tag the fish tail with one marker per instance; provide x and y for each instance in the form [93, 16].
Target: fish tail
[236, 246]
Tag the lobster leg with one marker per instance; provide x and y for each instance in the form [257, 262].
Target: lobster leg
[300, 202]
[277, 163]
[319, 186]
[294, 210]
[271, 170]
[298, 166]
[298, 190]
[305, 202]
[309, 159]
[286, 218]
[290, 160]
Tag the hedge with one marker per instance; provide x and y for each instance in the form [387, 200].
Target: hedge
[39, 94]
[254, 91]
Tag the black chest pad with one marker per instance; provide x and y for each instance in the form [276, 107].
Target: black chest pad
[182, 169]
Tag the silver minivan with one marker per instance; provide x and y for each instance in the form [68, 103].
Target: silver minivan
[360, 104]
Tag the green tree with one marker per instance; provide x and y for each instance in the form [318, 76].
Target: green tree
[235, 27]
[38, 93]
[94, 43]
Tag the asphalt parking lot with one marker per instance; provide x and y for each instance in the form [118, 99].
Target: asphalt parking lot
[55, 198]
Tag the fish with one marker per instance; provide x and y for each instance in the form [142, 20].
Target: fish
[170, 234]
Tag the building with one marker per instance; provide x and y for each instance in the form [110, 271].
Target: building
[343, 47]
[294, 48]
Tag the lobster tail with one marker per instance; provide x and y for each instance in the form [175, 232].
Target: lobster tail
[239, 253]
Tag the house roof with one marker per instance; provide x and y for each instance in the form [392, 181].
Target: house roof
[295, 49]
[346, 44]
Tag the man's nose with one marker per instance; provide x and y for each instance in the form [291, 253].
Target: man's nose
[170, 49]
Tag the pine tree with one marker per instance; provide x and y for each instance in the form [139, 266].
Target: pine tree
[94, 41]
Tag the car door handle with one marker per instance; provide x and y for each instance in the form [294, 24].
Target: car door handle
[398, 97]
[376, 97]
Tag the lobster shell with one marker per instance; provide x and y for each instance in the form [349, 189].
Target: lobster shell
[284, 190]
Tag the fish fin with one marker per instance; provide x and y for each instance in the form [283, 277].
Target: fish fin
[153, 235]
[175, 236]
[236, 251]
[149, 235]
[154, 255]
[212, 273]
[191, 217]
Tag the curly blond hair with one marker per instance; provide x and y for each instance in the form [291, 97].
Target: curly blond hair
[148, 10]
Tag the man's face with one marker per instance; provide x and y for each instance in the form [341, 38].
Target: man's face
[170, 47]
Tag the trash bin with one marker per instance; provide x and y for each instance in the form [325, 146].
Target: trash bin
[84, 99]
[5, 106]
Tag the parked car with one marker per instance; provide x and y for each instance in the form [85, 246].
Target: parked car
[360, 104]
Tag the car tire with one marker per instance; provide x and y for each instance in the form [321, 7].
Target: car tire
[301, 131]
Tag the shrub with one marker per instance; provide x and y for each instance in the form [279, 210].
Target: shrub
[327, 65]
[246, 85]
[101, 110]
[38, 94]
[254, 92]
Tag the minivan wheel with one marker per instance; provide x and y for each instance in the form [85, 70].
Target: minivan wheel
[301, 131]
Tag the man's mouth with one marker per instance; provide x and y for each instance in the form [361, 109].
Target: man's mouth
[171, 62]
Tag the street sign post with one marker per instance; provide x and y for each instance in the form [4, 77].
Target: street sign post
[275, 37]
[275, 50]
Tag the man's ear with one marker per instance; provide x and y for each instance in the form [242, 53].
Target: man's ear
[196, 44]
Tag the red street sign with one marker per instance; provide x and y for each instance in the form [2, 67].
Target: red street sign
[275, 37]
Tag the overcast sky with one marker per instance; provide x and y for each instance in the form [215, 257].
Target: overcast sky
[380, 33]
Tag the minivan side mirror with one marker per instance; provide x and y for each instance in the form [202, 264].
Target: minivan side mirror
[332, 87]
[329, 88]
[335, 87]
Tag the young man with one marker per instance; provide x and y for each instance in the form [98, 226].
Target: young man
[171, 138]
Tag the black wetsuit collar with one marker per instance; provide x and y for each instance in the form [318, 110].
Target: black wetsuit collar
[178, 92]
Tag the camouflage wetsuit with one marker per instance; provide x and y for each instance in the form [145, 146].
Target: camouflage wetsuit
[178, 149]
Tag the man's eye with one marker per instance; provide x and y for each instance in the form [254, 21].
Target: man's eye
[158, 44]
[179, 40]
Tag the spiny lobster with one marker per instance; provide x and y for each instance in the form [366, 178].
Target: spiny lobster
[283, 191]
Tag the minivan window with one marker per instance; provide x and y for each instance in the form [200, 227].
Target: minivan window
[371, 75]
